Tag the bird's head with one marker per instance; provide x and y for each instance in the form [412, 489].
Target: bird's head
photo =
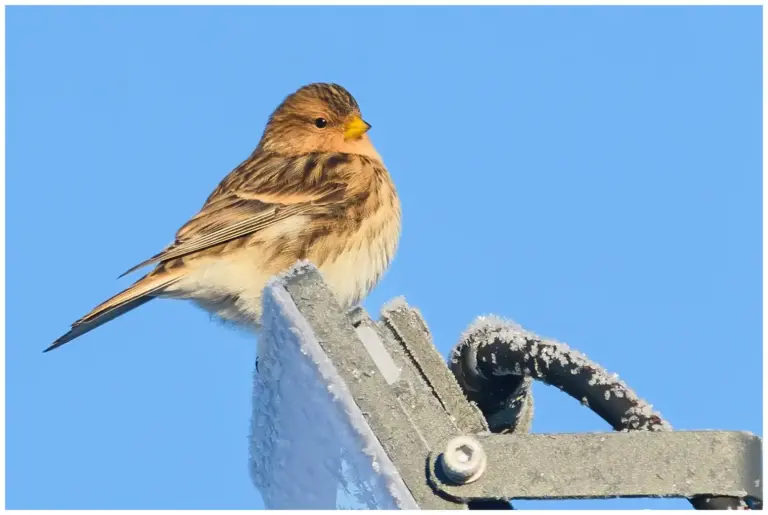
[318, 118]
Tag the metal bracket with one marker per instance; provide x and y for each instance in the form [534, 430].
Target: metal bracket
[440, 444]
[599, 465]
[408, 414]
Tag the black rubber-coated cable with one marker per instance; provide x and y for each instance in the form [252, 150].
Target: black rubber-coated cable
[494, 356]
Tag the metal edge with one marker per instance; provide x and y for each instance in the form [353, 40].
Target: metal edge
[369, 389]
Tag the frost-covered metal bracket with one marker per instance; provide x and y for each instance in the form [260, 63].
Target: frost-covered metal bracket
[390, 411]
[599, 465]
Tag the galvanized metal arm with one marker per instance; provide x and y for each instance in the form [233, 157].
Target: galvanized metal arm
[599, 465]
[433, 433]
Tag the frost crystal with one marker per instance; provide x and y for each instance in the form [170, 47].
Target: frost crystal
[543, 358]
[311, 448]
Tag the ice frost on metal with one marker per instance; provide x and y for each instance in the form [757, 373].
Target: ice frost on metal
[489, 329]
[310, 445]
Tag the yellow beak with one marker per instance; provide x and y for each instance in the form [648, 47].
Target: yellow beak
[355, 127]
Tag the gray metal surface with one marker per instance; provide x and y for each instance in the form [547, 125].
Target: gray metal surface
[599, 465]
[406, 434]
[408, 406]
[310, 447]
[410, 330]
[429, 421]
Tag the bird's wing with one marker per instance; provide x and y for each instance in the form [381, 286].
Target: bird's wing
[241, 207]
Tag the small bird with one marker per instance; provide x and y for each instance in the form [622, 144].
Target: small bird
[315, 189]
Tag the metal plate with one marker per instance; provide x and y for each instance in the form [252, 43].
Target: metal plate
[600, 465]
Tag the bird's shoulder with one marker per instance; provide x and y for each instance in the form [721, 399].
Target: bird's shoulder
[267, 184]
[281, 179]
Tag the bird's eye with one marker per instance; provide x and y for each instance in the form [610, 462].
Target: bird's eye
[321, 123]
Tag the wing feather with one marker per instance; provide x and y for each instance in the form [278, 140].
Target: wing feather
[251, 207]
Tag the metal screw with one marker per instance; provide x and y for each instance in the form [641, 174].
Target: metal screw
[463, 460]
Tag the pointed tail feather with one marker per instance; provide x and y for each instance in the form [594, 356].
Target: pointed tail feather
[141, 292]
[149, 261]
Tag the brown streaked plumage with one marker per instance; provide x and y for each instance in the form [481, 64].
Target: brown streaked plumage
[315, 188]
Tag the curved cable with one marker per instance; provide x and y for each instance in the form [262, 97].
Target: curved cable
[494, 358]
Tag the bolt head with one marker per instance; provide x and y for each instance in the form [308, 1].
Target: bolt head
[463, 460]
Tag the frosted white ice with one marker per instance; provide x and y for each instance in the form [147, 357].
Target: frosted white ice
[394, 304]
[490, 328]
[310, 445]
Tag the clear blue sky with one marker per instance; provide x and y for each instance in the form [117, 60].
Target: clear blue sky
[592, 173]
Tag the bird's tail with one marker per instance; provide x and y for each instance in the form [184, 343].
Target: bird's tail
[142, 291]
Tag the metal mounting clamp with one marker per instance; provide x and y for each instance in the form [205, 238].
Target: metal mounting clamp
[600, 465]
[390, 425]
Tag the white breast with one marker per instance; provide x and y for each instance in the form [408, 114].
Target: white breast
[230, 285]
[356, 270]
